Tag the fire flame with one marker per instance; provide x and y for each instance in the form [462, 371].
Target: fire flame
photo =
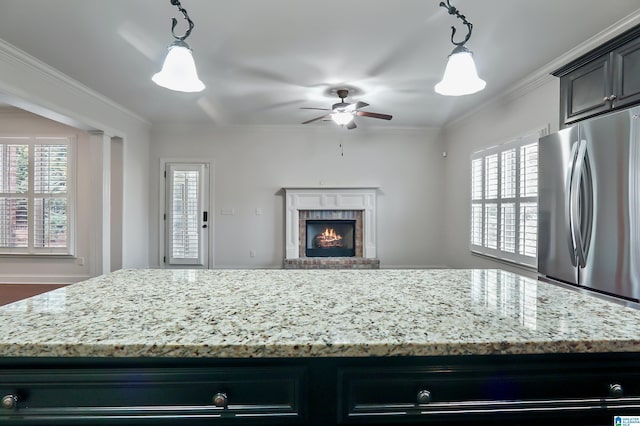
[329, 238]
[329, 234]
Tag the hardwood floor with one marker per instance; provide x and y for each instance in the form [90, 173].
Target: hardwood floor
[12, 292]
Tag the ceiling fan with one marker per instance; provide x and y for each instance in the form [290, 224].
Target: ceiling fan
[344, 113]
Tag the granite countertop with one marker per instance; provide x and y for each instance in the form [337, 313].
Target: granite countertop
[313, 313]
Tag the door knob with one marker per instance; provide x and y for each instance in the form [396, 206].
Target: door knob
[615, 390]
[423, 397]
[220, 399]
[9, 402]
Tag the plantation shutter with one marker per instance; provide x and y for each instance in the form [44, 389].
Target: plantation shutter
[14, 185]
[528, 235]
[50, 218]
[504, 191]
[184, 216]
[35, 195]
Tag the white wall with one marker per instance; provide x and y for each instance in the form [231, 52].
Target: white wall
[251, 165]
[499, 121]
[30, 84]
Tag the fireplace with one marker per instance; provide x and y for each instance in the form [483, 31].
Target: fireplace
[330, 238]
[341, 222]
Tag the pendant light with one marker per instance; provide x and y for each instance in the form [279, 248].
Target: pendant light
[460, 75]
[179, 70]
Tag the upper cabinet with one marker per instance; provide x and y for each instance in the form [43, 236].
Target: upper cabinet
[602, 80]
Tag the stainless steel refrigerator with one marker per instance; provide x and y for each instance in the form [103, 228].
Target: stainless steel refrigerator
[589, 204]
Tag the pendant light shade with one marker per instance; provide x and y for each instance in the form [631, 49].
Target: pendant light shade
[179, 70]
[460, 75]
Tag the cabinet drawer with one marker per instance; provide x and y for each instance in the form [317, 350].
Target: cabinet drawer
[153, 396]
[482, 393]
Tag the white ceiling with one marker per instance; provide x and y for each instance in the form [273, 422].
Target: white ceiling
[264, 59]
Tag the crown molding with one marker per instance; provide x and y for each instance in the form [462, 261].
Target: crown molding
[542, 75]
[11, 54]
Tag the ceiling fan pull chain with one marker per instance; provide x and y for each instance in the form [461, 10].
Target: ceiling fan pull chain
[174, 21]
[454, 11]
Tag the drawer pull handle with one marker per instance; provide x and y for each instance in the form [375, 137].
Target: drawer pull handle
[423, 397]
[615, 390]
[220, 400]
[9, 402]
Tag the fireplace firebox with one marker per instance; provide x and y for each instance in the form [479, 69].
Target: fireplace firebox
[330, 238]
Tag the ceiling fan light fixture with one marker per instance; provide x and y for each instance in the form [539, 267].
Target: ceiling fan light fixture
[343, 113]
[342, 117]
[460, 76]
[179, 70]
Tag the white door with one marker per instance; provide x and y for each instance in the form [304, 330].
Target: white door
[186, 215]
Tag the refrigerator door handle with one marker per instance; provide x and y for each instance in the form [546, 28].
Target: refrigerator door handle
[568, 212]
[575, 203]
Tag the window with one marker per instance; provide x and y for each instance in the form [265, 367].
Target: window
[504, 201]
[36, 203]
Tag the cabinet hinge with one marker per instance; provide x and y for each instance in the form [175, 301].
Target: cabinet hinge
[165, 174]
[164, 216]
[164, 259]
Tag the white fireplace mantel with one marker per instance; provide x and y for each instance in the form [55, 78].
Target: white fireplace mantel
[325, 198]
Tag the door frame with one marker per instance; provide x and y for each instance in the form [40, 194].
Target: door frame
[162, 203]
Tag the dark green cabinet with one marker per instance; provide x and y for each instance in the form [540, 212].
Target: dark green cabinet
[149, 395]
[605, 79]
[567, 389]
[585, 91]
[626, 76]
[508, 392]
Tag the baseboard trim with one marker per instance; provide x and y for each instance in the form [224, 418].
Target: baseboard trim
[42, 279]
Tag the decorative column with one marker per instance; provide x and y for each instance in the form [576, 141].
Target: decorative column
[100, 149]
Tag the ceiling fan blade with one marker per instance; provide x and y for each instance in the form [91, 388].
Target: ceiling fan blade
[356, 105]
[320, 109]
[374, 115]
[315, 119]
[351, 125]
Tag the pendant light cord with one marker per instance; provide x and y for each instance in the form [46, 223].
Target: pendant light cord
[454, 11]
[174, 21]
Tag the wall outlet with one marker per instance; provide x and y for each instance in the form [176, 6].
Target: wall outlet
[258, 211]
[252, 253]
[227, 212]
[81, 261]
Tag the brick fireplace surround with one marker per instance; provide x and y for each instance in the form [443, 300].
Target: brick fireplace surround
[358, 204]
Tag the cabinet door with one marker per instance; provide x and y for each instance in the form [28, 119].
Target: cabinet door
[627, 74]
[583, 92]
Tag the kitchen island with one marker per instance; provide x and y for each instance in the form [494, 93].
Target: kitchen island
[317, 347]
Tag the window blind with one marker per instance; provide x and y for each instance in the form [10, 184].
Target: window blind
[504, 190]
[185, 212]
[50, 218]
[35, 196]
